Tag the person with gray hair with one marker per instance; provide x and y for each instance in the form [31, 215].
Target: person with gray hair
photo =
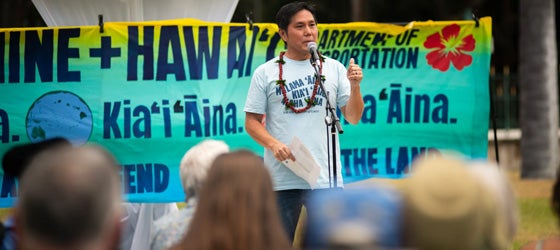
[194, 166]
[70, 199]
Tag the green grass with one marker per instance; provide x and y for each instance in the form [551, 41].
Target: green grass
[536, 221]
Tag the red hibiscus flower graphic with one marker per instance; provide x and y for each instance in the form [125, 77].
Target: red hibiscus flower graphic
[449, 47]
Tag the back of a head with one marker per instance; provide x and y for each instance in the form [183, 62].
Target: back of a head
[236, 207]
[196, 162]
[69, 198]
[448, 208]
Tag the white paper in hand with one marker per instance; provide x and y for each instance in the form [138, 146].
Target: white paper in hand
[305, 165]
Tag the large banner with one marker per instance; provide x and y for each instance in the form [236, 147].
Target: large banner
[149, 91]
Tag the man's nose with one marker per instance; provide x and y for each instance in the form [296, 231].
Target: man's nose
[307, 30]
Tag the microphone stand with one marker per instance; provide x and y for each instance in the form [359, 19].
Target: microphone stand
[330, 120]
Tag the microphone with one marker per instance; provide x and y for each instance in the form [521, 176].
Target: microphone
[312, 47]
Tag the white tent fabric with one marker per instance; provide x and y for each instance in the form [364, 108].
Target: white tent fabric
[85, 12]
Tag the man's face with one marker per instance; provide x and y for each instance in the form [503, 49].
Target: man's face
[301, 30]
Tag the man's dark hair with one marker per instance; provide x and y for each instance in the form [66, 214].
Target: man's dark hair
[285, 14]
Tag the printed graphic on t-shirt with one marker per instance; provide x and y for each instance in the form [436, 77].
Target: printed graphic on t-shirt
[300, 92]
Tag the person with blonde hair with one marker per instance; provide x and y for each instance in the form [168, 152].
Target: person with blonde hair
[500, 187]
[448, 207]
[236, 208]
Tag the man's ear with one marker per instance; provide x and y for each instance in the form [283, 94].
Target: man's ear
[283, 35]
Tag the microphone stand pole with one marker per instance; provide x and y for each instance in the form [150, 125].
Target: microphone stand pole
[330, 120]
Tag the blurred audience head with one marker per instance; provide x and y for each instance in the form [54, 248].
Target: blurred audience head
[196, 162]
[365, 218]
[502, 192]
[236, 208]
[17, 158]
[70, 199]
[447, 207]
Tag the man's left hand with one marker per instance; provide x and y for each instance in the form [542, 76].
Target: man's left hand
[354, 73]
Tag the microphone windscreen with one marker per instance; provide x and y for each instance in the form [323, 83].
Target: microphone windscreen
[312, 47]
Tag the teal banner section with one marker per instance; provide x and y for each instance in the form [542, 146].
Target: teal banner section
[149, 91]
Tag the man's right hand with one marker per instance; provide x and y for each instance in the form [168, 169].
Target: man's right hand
[255, 127]
[282, 152]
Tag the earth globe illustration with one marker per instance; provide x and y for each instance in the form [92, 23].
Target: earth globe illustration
[59, 114]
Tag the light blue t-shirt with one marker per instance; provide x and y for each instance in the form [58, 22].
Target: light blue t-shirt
[265, 97]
